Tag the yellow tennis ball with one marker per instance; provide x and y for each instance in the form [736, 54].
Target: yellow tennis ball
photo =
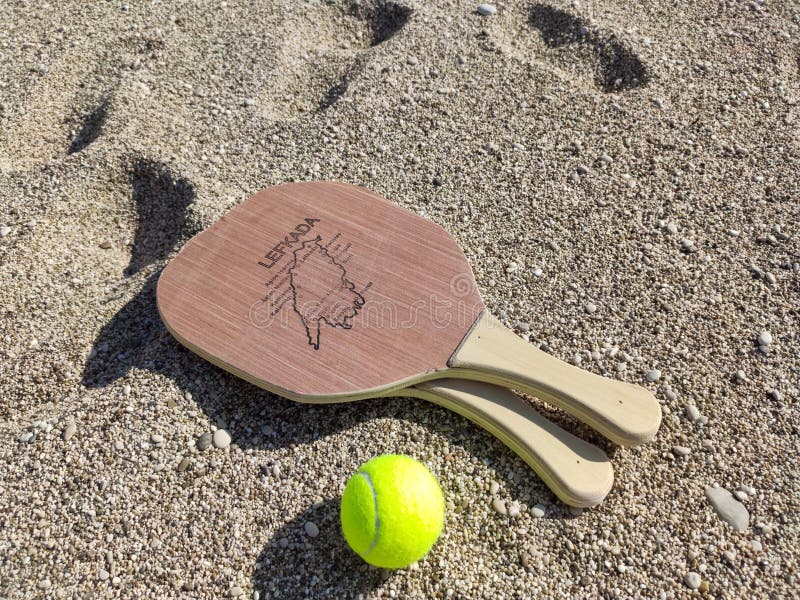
[392, 511]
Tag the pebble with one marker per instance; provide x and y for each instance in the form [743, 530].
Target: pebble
[692, 580]
[590, 307]
[105, 244]
[69, 431]
[494, 488]
[728, 508]
[249, 102]
[740, 375]
[692, 412]
[681, 450]
[118, 445]
[412, 60]
[184, 464]
[514, 509]
[222, 439]
[653, 375]
[26, 437]
[740, 495]
[687, 245]
[770, 278]
[487, 10]
[103, 574]
[44, 584]
[235, 591]
[126, 390]
[4, 231]
[764, 338]
[203, 442]
[311, 528]
[518, 147]
[499, 506]
[756, 545]
[670, 394]
[157, 439]
[672, 228]
[729, 555]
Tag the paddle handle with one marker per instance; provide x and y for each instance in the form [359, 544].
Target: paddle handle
[625, 413]
[578, 472]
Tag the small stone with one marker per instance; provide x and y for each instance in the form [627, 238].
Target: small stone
[692, 413]
[672, 228]
[687, 245]
[256, 595]
[126, 390]
[412, 60]
[770, 278]
[222, 439]
[728, 508]
[26, 437]
[740, 375]
[494, 488]
[729, 555]
[692, 580]
[575, 511]
[740, 495]
[311, 528]
[249, 102]
[499, 506]
[44, 584]
[118, 445]
[590, 307]
[4, 231]
[69, 431]
[704, 587]
[235, 591]
[670, 394]
[764, 338]
[157, 439]
[681, 450]
[514, 509]
[105, 245]
[184, 464]
[203, 442]
[487, 10]
[653, 375]
[276, 471]
[537, 272]
[518, 147]
[538, 511]
[103, 574]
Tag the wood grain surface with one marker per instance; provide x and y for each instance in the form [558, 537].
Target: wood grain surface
[321, 291]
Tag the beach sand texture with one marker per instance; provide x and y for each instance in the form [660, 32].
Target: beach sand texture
[624, 178]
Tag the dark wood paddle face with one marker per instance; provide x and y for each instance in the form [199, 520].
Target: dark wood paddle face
[317, 290]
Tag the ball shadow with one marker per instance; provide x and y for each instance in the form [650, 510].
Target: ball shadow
[338, 572]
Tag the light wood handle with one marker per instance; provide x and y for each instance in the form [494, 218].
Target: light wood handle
[579, 473]
[625, 413]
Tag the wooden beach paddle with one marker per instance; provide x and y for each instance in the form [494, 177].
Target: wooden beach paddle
[326, 292]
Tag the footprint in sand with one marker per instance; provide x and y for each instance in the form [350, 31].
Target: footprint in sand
[67, 105]
[571, 47]
[616, 67]
[306, 78]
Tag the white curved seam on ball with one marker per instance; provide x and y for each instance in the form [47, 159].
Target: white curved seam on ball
[375, 503]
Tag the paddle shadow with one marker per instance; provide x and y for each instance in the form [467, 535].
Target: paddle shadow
[162, 201]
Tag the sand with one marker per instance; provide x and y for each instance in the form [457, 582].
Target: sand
[623, 177]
